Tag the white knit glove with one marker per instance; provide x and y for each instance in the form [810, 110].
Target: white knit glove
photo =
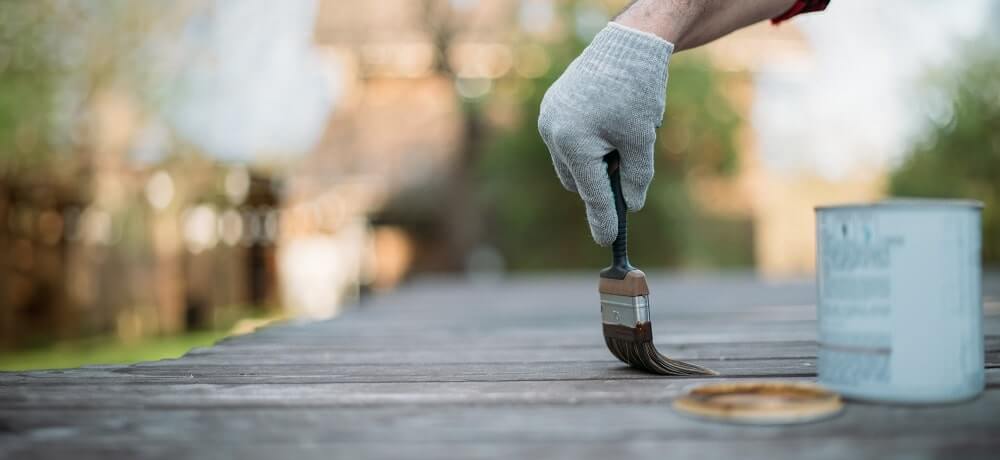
[610, 97]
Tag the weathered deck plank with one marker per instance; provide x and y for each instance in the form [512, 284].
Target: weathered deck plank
[455, 369]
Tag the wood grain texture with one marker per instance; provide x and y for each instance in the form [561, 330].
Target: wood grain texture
[633, 285]
[449, 368]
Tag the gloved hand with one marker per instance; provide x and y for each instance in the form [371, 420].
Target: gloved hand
[610, 97]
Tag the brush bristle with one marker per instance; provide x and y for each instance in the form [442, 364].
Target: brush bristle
[643, 355]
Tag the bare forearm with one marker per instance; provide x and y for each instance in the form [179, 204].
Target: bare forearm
[691, 23]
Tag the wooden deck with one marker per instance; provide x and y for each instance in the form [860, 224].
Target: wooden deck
[473, 369]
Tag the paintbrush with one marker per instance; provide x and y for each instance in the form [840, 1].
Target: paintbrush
[628, 329]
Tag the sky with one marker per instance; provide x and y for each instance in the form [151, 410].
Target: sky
[254, 85]
[862, 98]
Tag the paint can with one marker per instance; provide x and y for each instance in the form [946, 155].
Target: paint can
[899, 300]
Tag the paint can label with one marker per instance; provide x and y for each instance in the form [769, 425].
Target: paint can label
[899, 302]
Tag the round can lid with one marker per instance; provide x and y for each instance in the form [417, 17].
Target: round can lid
[760, 403]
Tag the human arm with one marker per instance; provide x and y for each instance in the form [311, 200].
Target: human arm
[692, 23]
[612, 97]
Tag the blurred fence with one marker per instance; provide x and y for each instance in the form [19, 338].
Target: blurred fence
[78, 268]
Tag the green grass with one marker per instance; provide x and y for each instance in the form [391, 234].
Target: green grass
[106, 351]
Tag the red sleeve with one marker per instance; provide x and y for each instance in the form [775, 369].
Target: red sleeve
[800, 7]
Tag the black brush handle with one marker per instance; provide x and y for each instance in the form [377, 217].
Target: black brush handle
[619, 249]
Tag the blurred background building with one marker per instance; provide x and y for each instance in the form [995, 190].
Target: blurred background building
[168, 167]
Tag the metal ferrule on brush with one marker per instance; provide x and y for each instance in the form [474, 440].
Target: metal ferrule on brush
[620, 310]
[626, 317]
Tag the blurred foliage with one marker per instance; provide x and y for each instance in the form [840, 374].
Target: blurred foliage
[106, 351]
[960, 157]
[537, 224]
[26, 84]
[48, 82]
[233, 320]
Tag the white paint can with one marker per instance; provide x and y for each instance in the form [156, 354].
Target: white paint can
[900, 303]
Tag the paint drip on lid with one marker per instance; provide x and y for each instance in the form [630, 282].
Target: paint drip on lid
[760, 403]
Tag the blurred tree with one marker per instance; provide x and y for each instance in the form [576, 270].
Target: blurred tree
[538, 225]
[443, 216]
[77, 79]
[26, 82]
[960, 157]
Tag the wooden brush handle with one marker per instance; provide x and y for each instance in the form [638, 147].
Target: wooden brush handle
[634, 284]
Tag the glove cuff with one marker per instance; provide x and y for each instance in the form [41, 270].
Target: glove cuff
[619, 50]
[623, 33]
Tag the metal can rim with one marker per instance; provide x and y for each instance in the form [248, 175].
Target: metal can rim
[906, 203]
